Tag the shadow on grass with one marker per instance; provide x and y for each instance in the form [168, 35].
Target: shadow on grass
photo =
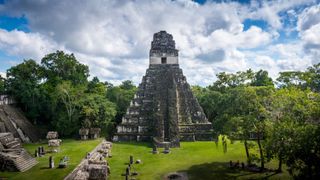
[219, 170]
[133, 143]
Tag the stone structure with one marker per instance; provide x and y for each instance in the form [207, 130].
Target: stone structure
[164, 109]
[12, 120]
[52, 135]
[95, 133]
[94, 165]
[84, 133]
[53, 141]
[12, 156]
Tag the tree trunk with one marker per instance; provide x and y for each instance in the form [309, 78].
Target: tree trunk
[247, 152]
[261, 153]
[280, 163]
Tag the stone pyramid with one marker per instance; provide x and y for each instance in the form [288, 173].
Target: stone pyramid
[164, 110]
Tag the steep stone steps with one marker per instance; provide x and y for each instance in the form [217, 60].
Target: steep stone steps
[7, 122]
[22, 122]
[24, 162]
[13, 145]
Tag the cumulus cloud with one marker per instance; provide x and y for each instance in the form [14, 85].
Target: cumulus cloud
[308, 26]
[28, 45]
[113, 37]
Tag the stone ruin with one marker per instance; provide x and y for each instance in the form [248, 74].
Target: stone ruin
[12, 120]
[12, 156]
[84, 133]
[164, 108]
[52, 135]
[93, 132]
[94, 165]
[53, 141]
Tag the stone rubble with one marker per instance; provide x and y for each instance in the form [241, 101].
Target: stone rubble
[94, 165]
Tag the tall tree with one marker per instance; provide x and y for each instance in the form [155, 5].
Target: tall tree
[261, 78]
[23, 83]
[66, 98]
[313, 80]
[59, 67]
[97, 111]
[227, 80]
[97, 87]
[121, 95]
[292, 131]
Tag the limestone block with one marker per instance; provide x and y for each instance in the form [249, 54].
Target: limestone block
[54, 142]
[52, 135]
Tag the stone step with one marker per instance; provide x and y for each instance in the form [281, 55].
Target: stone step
[25, 162]
[12, 144]
[17, 116]
[26, 166]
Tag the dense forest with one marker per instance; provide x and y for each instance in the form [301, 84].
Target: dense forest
[56, 94]
[276, 119]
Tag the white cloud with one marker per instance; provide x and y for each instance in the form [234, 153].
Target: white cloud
[308, 26]
[27, 45]
[308, 18]
[269, 10]
[3, 74]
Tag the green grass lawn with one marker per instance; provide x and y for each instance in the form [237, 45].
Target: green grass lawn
[76, 150]
[201, 160]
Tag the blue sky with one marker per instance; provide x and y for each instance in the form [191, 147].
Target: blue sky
[113, 37]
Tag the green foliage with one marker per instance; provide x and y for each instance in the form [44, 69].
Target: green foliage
[121, 96]
[230, 80]
[261, 78]
[57, 93]
[2, 85]
[96, 87]
[97, 111]
[23, 83]
[66, 97]
[303, 80]
[59, 67]
[293, 131]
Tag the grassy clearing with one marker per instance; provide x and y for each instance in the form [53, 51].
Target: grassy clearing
[76, 150]
[201, 160]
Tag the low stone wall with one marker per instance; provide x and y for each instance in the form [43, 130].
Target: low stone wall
[93, 166]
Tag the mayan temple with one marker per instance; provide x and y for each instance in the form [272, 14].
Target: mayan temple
[164, 109]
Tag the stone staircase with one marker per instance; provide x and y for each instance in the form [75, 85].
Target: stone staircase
[13, 145]
[8, 141]
[24, 124]
[7, 123]
[16, 123]
[12, 156]
[25, 162]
